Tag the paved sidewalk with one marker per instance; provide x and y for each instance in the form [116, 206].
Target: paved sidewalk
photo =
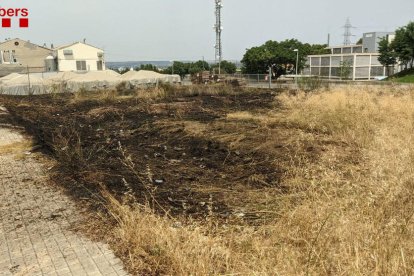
[34, 220]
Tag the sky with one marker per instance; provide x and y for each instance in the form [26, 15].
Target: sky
[131, 30]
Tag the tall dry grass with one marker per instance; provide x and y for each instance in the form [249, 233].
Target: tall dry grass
[365, 187]
[349, 211]
[151, 93]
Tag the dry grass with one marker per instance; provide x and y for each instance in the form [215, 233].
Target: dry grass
[16, 147]
[347, 208]
[158, 245]
[350, 212]
[152, 93]
[365, 187]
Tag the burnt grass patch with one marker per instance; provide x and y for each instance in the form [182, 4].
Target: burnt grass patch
[144, 149]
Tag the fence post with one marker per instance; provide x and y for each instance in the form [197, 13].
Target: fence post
[270, 77]
[28, 77]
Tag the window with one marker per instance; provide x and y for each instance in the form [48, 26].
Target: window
[81, 65]
[325, 71]
[337, 51]
[99, 65]
[357, 49]
[335, 71]
[349, 60]
[377, 71]
[375, 61]
[325, 61]
[68, 52]
[362, 60]
[315, 61]
[362, 72]
[336, 61]
[315, 71]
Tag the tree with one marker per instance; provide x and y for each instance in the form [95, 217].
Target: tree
[316, 49]
[387, 55]
[403, 44]
[182, 69]
[345, 68]
[278, 55]
[226, 67]
[198, 66]
[202, 64]
[178, 68]
[256, 60]
[409, 39]
[147, 67]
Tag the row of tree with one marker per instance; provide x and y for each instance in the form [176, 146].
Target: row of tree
[280, 56]
[401, 49]
[185, 68]
[182, 68]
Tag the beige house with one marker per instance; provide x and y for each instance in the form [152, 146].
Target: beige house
[17, 54]
[79, 57]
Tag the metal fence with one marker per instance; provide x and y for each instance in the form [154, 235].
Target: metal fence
[262, 80]
[21, 69]
[288, 81]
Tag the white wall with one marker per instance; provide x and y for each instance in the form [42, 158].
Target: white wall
[81, 52]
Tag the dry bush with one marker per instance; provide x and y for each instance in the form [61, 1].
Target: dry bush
[68, 149]
[350, 211]
[165, 90]
[149, 94]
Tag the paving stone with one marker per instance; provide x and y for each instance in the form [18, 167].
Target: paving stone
[34, 221]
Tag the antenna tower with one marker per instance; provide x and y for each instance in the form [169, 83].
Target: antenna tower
[348, 32]
[218, 28]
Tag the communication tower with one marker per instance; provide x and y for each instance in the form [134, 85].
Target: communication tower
[218, 28]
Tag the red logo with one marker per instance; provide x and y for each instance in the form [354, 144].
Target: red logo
[16, 14]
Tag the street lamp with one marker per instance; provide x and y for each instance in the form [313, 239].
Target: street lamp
[297, 64]
[271, 74]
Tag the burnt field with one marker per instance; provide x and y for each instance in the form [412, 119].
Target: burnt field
[184, 154]
[213, 180]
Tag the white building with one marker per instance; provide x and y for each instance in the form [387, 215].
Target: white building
[79, 57]
[361, 60]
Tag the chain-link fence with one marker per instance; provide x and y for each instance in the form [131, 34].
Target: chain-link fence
[261, 80]
[6, 69]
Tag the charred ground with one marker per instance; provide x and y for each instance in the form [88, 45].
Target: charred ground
[180, 152]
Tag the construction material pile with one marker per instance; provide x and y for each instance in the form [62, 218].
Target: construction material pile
[34, 84]
[92, 80]
[20, 84]
[143, 77]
